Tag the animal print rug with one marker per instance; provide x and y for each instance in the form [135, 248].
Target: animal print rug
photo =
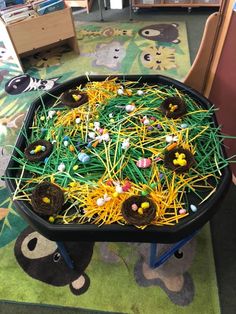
[111, 277]
[109, 48]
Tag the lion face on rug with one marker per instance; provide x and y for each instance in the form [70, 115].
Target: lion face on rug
[41, 259]
[158, 58]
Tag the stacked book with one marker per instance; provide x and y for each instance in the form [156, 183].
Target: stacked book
[16, 13]
[47, 6]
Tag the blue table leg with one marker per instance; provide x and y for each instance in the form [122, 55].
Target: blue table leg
[65, 255]
[155, 261]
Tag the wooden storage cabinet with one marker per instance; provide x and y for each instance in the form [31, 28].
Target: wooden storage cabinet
[136, 4]
[31, 35]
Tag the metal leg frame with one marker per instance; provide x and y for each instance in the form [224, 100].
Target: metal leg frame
[130, 10]
[100, 8]
[65, 255]
[155, 261]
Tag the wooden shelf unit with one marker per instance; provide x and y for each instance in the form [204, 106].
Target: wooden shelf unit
[136, 4]
[42, 32]
[80, 3]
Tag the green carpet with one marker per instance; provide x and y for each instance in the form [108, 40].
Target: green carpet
[110, 48]
[119, 282]
[109, 277]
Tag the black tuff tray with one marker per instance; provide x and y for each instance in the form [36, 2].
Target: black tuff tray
[115, 232]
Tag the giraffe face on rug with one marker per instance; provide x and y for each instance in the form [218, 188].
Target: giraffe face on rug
[158, 58]
[41, 259]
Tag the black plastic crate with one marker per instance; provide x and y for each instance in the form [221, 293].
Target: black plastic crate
[115, 232]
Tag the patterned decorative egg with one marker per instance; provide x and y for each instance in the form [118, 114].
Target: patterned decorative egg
[144, 163]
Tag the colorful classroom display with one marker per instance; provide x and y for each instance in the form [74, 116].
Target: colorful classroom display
[120, 152]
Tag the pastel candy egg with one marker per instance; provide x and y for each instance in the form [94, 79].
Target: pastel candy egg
[183, 126]
[51, 219]
[71, 148]
[100, 201]
[83, 157]
[115, 194]
[144, 193]
[140, 211]
[145, 205]
[120, 91]
[43, 130]
[129, 108]
[119, 189]
[96, 125]
[110, 115]
[92, 135]
[66, 143]
[140, 92]
[134, 207]
[51, 113]
[144, 163]
[193, 208]
[169, 138]
[146, 121]
[77, 120]
[61, 167]
[75, 167]
[153, 185]
[182, 211]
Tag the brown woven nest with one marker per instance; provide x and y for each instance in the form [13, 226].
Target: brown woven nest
[171, 155]
[177, 104]
[68, 100]
[133, 217]
[47, 199]
[39, 156]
